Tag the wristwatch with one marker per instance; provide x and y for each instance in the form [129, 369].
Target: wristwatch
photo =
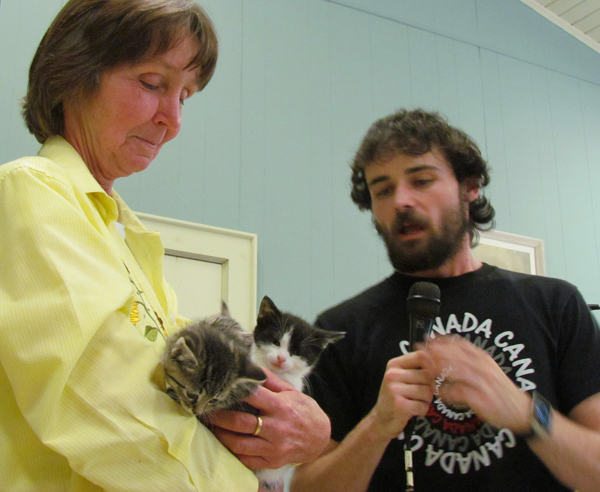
[540, 418]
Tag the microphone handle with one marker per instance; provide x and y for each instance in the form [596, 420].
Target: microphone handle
[409, 429]
[420, 328]
[419, 331]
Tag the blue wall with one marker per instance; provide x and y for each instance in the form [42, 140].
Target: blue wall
[265, 147]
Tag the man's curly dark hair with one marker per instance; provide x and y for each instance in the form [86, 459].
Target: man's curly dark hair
[415, 133]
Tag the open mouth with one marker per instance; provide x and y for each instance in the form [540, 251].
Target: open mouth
[410, 229]
[409, 225]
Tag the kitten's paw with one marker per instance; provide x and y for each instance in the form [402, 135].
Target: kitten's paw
[272, 480]
[270, 486]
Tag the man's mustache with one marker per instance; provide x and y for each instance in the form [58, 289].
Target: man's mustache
[408, 218]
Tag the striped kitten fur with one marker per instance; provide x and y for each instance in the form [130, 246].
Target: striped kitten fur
[207, 365]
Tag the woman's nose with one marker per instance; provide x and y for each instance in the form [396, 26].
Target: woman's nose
[169, 113]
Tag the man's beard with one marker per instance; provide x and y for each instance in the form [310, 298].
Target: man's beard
[426, 253]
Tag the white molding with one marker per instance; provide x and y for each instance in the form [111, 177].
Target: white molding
[560, 22]
[506, 241]
[236, 251]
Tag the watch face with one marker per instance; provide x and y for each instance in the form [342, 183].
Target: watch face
[542, 411]
[543, 415]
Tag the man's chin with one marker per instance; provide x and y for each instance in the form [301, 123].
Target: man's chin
[412, 267]
[414, 257]
[410, 248]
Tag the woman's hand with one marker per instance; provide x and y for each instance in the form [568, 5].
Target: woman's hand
[294, 428]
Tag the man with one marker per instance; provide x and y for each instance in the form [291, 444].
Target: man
[482, 396]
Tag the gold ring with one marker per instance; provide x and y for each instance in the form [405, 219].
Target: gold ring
[258, 426]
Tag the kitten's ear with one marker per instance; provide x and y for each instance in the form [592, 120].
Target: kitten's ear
[267, 309]
[182, 354]
[324, 337]
[225, 309]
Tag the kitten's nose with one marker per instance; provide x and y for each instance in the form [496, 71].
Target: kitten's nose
[280, 361]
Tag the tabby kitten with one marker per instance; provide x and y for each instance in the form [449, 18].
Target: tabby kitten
[290, 347]
[207, 365]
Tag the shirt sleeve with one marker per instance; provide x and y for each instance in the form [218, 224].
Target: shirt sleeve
[578, 365]
[331, 383]
[79, 371]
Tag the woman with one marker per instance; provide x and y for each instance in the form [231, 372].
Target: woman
[84, 308]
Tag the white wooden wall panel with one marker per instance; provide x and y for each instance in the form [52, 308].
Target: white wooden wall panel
[218, 265]
[266, 147]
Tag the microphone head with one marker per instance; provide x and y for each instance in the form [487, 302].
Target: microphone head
[424, 300]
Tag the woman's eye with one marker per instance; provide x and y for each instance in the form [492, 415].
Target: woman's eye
[148, 86]
[185, 93]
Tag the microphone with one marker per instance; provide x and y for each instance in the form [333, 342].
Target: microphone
[423, 305]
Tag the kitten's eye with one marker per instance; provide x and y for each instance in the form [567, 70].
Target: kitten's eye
[193, 397]
[276, 342]
[214, 401]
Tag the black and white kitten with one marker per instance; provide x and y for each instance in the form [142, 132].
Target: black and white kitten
[290, 347]
[207, 365]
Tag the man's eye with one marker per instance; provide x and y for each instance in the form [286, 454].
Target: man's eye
[387, 191]
[422, 183]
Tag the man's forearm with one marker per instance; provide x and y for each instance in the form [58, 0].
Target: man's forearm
[572, 454]
[348, 465]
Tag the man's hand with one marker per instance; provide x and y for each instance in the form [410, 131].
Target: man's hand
[406, 391]
[474, 379]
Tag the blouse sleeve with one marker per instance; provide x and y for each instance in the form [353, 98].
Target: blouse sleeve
[79, 371]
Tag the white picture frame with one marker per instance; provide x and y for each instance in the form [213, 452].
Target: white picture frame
[234, 252]
[511, 251]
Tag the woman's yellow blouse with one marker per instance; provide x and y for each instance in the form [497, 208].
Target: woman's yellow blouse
[83, 316]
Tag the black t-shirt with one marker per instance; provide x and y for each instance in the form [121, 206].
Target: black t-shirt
[538, 329]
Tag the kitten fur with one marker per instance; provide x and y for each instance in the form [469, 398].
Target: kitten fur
[290, 347]
[207, 365]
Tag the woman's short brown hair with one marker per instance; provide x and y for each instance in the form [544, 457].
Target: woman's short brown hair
[88, 37]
